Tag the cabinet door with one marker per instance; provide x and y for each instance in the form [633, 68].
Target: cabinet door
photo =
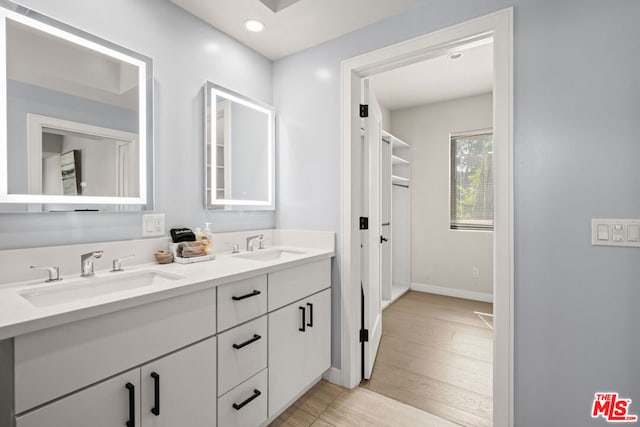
[297, 357]
[180, 389]
[317, 344]
[286, 355]
[106, 404]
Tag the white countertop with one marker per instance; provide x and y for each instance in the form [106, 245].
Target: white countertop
[18, 316]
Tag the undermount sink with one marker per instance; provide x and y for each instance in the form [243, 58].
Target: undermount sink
[90, 287]
[270, 254]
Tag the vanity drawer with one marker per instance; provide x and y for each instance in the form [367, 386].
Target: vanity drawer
[237, 364]
[248, 411]
[241, 301]
[287, 286]
[102, 405]
[59, 360]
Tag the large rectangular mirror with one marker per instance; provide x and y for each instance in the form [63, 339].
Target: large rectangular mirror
[239, 151]
[75, 118]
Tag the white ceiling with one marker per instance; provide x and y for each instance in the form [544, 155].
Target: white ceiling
[437, 79]
[298, 26]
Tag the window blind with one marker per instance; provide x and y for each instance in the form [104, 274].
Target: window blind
[472, 181]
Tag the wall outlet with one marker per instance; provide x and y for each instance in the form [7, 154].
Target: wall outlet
[152, 225]
[475, 272]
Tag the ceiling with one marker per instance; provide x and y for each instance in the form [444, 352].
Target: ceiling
[297, 25]
[438, 79]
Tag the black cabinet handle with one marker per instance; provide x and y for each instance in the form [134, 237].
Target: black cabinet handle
[132, 405]
[303, 320]
[255, 338]
[252, 294]
[156, 390]
[238, 406]
[310, 324]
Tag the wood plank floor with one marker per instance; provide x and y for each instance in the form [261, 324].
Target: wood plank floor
[328, 405]
[436, 355]
[434, 368]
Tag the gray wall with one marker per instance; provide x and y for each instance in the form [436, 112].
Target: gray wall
[577, 103]
[186, 52]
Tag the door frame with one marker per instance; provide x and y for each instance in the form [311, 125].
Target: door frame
[499, 26]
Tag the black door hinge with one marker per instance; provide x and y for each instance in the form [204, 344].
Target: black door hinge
[364, 223]
[364, 110]
[364, 335]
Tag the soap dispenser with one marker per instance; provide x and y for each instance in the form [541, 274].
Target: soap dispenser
[207, 238]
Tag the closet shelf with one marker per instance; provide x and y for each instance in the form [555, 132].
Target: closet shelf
[399, 179]
[395, 142]
[399, 160]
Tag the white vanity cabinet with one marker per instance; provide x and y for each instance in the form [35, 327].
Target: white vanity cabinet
[299, 332]
[230, 355]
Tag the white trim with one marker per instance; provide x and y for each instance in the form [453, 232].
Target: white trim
[333, 375]
[499, 26]
[452, 292]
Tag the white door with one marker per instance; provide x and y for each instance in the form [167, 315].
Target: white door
[372, 285]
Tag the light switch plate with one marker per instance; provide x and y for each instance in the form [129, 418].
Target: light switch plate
[152, 225]
[615, 232]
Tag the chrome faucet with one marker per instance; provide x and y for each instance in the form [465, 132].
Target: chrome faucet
[54, 272]
[86, 263]
[251, 240]
[116, 264]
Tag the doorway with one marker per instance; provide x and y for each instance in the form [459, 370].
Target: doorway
[497, 26]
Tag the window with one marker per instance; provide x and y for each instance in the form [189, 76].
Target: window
[472, 181]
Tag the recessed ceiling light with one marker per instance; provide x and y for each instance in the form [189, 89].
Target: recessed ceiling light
[455, 55]
[254, 25]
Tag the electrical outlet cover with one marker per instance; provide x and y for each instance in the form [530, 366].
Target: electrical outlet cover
[152, 225]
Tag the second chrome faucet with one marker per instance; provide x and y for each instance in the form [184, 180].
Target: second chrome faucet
[251, 240]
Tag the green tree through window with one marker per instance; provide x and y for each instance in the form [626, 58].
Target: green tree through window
[472, 181]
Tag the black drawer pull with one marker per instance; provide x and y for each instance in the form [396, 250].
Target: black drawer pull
[252, 294]
[238, 406]
[255, 338]
[304, 322]
[132, 405]
[310, 324]
[156, 389]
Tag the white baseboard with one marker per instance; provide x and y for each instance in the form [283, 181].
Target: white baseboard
[452, 292]
[333, 375]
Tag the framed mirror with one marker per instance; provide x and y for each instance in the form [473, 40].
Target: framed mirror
[239, 151]
[75, 118]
